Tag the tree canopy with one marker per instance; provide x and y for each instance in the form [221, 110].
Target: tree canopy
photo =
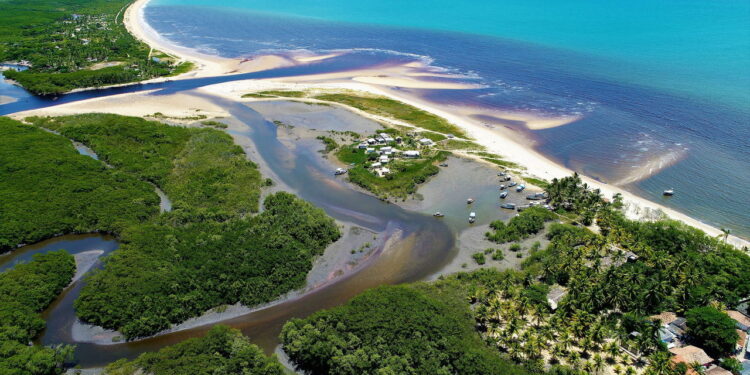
[392, 330]
[47, 189]
[25, 291]
[222, 350]
[713, 330]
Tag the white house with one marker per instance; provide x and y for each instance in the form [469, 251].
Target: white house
[369, 150]
[376, 165]
[425, 142]
[384, 159]
[362, 145]
[411, 154]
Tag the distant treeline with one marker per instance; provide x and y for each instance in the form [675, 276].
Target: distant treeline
[62, 41]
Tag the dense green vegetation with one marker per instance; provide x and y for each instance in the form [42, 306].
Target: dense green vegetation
[25, 291]
[72, 44]
[713, 330]
[222, 351]
[530, 221]
[393, 330]
[201, 170]
[47, 188]
[164, 274]
[208, 251]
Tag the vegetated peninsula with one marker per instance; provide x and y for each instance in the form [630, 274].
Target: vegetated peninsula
[25, 291]
[616, 300]
[222, 350]
[47, 189]
[75, 44]
[210, 249]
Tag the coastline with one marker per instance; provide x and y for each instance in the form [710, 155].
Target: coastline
[511, 145]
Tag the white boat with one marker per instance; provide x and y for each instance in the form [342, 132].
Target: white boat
[438, 214]
[470, 201]
[669, 192]
[472, 217]
[339, 171]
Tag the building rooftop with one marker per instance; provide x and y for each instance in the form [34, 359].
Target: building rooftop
[739, 317]
[665, 318]
[692, 354]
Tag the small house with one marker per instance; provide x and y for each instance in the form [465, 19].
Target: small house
[665, 318]
[426, 142]
[376, 165]
[383, 159]
[743, 321]
[382, 171]
[678, 327]
[369, 150]
[411, 154]
[741, 344]
[362, 145]
[555, 295]
[666, 336]
[693, 354]
[718, 371]
[380, 140]
[386, 149]
[371, 141]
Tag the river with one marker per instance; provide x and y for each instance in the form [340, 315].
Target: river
[421, 246]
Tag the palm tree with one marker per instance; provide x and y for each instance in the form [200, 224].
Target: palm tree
[630, 371]
[660, 364]
[726, 232]
[598, 363]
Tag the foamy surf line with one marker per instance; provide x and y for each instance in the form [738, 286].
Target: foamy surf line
[499, 142]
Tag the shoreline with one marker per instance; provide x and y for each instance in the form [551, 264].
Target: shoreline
[496, 140]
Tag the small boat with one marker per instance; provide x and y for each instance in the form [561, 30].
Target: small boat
[438, 214]
[501, 174]
[444, 164]
[503, 195]
[502, 187]
[470, 201]
[512, 183]
[520, 188]
[508, 206]
[339, 171]
[669, 192]
[472, 217]
[535, 197]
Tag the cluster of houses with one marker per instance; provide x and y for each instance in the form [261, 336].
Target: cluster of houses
[380, 145]
[673, 332]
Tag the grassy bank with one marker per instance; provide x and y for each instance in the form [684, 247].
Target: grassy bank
[376, 105]
[47, 188]
[75, 44]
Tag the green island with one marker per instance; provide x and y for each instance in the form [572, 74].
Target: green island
[388, 164]
[36, 204]
[222, 350]
[212, 249]
[75, 44]
[25, 291]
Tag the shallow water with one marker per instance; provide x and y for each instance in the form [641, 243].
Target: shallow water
[423, 244]
[635, 118]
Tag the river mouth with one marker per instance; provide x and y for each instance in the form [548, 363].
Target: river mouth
[409, 245]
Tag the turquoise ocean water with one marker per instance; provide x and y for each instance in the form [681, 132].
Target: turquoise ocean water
[661, 86]
[696, 47]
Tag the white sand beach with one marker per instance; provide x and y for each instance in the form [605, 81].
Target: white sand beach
[499, 140]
